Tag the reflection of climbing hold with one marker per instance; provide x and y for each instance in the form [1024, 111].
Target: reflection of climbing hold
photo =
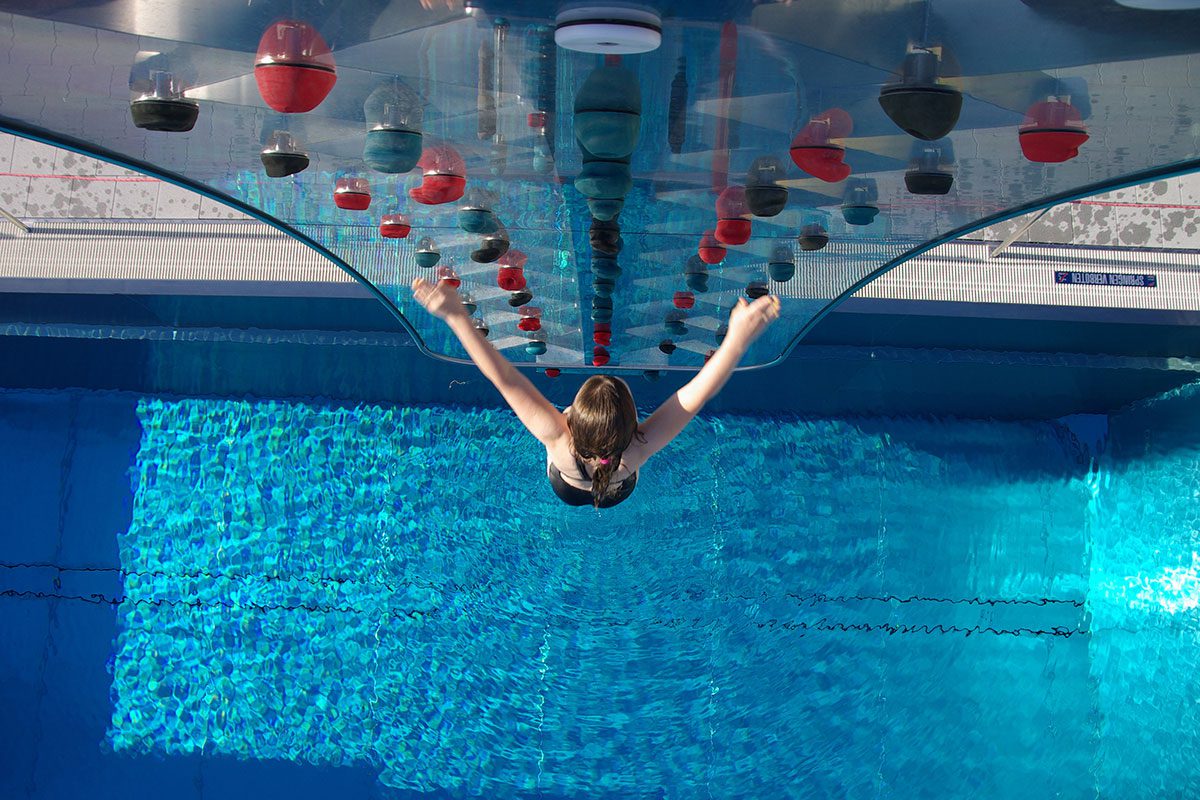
[283, 156]
[604, 287]
[696, 274]
[394, 117]
[859, 202]
[764, 196]
[294, 69]
[443, 176]
[427, 254]
[651, 375]
[684, 300]
[551, 372]
[710, 249]
[608, 112]
[606, 268]
[602, 304]
[600, 356]
[469, 305]
[520, 298]
[605, 236]
[733, 225]
[602, 333]
[813, 236]
[919, 104]
[813, 152]
[757, 289]
[677, 109]
[352, 194]
[605, 209]
[674, 325]
[722, 332]
[395, 226]
[1052, 132]
[667, 346]
[162, 107]
[482, 327]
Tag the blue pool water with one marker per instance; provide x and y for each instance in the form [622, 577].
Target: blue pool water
[242, 598]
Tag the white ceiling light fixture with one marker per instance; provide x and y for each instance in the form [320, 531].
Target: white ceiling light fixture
[616, 30]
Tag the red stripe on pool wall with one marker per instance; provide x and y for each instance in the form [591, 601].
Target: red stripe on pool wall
[113, 178]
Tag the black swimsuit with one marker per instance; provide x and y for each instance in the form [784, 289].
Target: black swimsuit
[574, 496]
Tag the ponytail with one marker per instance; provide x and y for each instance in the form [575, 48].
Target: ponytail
[601, 476]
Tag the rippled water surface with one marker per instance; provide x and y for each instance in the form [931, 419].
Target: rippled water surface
[785, 608]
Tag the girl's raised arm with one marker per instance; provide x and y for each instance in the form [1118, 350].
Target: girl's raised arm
[536, 413]
[746, 322]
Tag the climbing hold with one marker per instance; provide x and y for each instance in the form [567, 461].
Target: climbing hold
[447, 275]
[1052, 132]
[813, 152]
[710, 250]
[283, 156]
[929, 172]
[536, 347]
[813, 236]
[859, 202]
[520, 297]
[757, 289]
[294, 68]
[427, 254]
[443, 176]
[918, 103]
[684, 300]
[394, 226]
[733, 223]
[352, 194]
[600, 356]
[162, 106]
[782, 265]
[394, 115]
[764, 196]
[552, 372]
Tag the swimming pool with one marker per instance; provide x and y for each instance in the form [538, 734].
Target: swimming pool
[235, 597]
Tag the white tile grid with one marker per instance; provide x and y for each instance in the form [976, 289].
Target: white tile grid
[90, 199]
[7, 143]
[135, 200]
[212, 209]
[30, 157]
[175, 202]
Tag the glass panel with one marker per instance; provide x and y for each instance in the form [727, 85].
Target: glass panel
[881, 129]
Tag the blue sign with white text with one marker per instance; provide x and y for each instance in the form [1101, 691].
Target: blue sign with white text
[1105, 279]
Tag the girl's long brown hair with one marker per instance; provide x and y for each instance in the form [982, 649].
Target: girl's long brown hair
[603, 422]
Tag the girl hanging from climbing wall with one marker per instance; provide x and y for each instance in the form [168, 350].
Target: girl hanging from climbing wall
[595, 447]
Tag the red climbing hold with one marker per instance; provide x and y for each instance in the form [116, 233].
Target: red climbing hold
[684, 300]
[710, 250]
[733, 216]
[294, 68]
[448, 276]
[352, 194]
[1052, 132]
[394, 226]
[600, 356]
[443, 176]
